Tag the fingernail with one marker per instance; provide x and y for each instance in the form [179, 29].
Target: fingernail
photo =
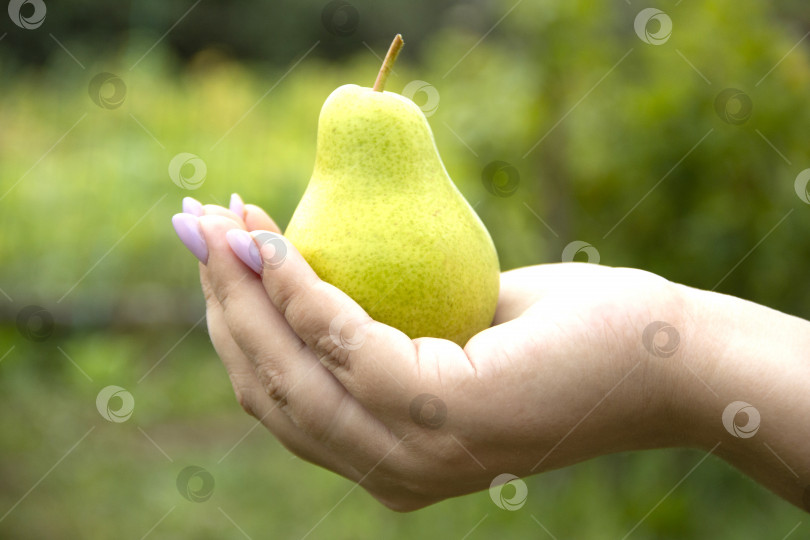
[187, 227]
[243, 246]
[237, 205]
[192, 206]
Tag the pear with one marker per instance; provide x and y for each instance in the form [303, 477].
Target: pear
[382, 220]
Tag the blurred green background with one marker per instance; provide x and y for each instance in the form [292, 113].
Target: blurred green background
[620, 138]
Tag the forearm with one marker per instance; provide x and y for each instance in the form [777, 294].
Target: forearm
[739, 354]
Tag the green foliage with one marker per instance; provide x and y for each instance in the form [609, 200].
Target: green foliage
[86, 234]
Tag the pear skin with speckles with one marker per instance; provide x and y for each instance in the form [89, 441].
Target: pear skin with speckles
[382, 220]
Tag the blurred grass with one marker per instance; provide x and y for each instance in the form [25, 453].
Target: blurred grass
[117, 483]
[86, 234]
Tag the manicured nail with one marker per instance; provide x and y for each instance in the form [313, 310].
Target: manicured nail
[237, 205]
[192, 206]
[188, 229]
[243, 246]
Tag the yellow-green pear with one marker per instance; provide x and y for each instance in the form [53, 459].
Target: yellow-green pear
[382, 220]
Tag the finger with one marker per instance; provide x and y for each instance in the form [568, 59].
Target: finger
[375, 362]
[192, 206]
[257, 403]
[288, 371]
[496, 345]
[257, 219]
[519, 289]
[216, 210]
[523, 287]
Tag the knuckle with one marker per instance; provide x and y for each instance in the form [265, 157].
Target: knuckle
[285, 294]
[208, 294]
[330, 352]
[223, 296]
[273, 382]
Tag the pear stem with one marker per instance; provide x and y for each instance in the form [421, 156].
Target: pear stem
[388, 63]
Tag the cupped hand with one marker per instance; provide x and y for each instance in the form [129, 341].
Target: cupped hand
[562, 375]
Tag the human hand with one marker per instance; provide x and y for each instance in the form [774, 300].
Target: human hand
[561, 376]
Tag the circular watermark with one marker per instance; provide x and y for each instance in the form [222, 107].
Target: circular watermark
[739, 430]
[653, 26]
[340, 18]
[428, 411]
[115, 404]
[652, 341]
[501, 499]
[733, 106]
[801, 186]
[35, 323]
[181, 175]
[346, 333]
[578, 246]
[36, 13]
[265, 238]
[500, 178]
[431, 102]
[195, 484]
[107, 90]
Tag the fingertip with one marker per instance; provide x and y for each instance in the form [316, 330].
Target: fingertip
[225, 265]
[257, 219]
[273, 248]
[192, 206]
[237, 205]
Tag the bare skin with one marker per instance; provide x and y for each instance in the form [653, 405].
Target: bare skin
[566, 373]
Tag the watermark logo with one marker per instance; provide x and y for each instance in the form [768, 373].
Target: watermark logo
[653, 26]
[340, 18]
[428, 411]
[742, 431]
[431, 95]
[346, 333]
[500, 178]
[578, 246]
[733, 106]
[195, 484]
[107, 90]
[187, 170]
[115, 404]
[265, 238]
[651, 337]
[35, 13]
[801, 185]
[502, 498]
[35, 323]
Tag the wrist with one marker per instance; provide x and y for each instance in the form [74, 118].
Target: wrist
[742, 388]
[728, 356]
[668, 348]
[696, 373]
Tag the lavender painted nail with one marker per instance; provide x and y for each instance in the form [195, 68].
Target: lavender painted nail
[187, 228]
[192, 206]
[237, 205]
[243, 246]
